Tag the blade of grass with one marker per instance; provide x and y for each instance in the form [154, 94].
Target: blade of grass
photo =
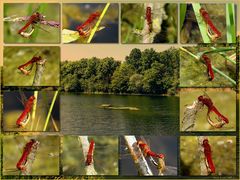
[201, 24]
[230, 21]
[183, 10]
[214, 69]
[50, 110]
[98, 23]
[34, 109]
[225, 56]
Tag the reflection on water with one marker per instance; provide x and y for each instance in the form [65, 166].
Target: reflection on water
[80, 114]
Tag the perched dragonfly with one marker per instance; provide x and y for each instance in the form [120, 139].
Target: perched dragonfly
[222, 120]
[85, 28]
[190, 25]
[212, 31]
[89, 159]
[25, 115]
[30, 152]
[208, 63]
[35, 20]
[208, 156]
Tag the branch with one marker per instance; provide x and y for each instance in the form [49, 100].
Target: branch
[203, 167]
[190, 114]
[39, 71]
[83, 141]
[138, 158]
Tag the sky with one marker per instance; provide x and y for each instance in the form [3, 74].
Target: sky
[118, 52]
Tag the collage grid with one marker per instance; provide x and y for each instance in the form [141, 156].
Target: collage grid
[44, 128]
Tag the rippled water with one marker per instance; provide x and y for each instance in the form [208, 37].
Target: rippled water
[80, 114]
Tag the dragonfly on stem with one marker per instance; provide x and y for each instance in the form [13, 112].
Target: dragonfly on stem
[191, 23]
[84, 29]
[36, 19]
[154, 14]
[30, 150]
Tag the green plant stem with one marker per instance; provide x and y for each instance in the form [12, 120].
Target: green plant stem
[50, 110]
[214, 69]
[34, 109]
[230, 21]
[225, 56]
[98, 23]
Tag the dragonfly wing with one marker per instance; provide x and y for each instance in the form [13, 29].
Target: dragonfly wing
[51, 23]
[69, 35]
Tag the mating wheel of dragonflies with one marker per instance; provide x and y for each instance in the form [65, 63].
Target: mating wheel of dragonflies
[160, 159]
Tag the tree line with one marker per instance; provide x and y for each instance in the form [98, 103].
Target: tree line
[142, 72]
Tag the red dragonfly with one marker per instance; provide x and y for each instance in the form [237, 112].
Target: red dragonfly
[22, 68]
[89, 159]
[206, 100]
[208, 156]
[30, 147]
[86, 28]
[147, 151]
[207, 61]
[149, 18]
[213, 32]
[32, 21]
[25, 116]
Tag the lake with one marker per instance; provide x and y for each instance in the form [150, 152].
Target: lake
[81, 115]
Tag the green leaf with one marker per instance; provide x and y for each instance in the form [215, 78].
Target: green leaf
[230, 21]
[69, 35]
[183, 10]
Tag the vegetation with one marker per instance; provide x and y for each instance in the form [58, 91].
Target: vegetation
[146, 72]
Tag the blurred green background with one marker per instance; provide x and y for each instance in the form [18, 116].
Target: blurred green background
[133, 16]
[50, 10]
[223, 99]
[16, 56]
[223, 155]
[193, 73]
[47, 156]
[13, 108]
[105, 155]
[190, 32]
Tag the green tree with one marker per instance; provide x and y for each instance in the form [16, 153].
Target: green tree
[120, 78]
[136, 83]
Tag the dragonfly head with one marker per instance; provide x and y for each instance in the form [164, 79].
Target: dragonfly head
[32, 98]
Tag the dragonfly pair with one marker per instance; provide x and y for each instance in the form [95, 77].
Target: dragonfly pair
[147, 152]
[222, 120]
[31, 62]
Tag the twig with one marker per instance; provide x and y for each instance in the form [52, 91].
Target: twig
[98, 23]
[190, 114]
[83, 141]
[50, 110]
[203, 167]
[39, 71]
[138, 158]
[54, 124]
